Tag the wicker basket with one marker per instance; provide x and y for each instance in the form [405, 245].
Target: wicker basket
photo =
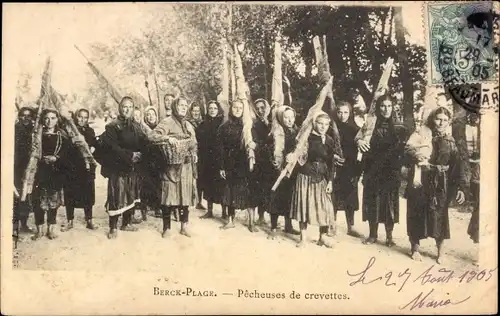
[176, 153]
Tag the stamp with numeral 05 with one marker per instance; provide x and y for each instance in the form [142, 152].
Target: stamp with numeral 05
[461, 42]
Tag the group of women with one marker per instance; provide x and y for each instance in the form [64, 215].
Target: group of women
[169, 164]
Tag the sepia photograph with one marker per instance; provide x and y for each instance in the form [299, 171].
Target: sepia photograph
[250, 158]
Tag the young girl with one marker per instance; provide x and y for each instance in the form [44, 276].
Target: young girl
[282, 141]
[47, 192]
[311, 198]
[442, 180]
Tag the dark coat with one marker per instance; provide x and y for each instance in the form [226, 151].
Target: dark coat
[381, 178]
[117, 144]
[345, 188]
[210, 181]
[79, 187]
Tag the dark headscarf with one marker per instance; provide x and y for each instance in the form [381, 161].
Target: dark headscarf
[26, 108]
[175, 113]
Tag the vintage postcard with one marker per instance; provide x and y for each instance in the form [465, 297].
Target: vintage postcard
[250, 158]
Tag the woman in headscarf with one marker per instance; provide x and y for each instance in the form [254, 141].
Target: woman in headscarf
[345, 187]
[22, 149]
[178, 176]
[79, 185]
[382, 165]
[49, 178]
[209, 179]
[311, 199]
[261, 177]
[282, 142]
[195, 118]
[151, 185]
[121, 146]
[234, 167]
[442, 180]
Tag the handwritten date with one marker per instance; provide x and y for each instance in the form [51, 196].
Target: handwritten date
[432, 275]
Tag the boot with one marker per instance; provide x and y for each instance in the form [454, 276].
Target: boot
[166, 226]
[352, 232]
[51, 234]
[224, 212]
[251, 225]
[325, 241]
[39, 232]
[415, 254]
[90, 225]
[144, 215]
[389, 242]
[184, 231]
[24, 227]
[289, 227]
[373, 234]
[112, 233]
[135, 220]
[229, 224]
[69, 226]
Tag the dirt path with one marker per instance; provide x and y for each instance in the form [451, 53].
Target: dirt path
[145, 250]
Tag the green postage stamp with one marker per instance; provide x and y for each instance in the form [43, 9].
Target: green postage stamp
[460, 42]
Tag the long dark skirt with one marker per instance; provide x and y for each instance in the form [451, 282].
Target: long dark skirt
[123, 192]
[345, 192]
[237, 194]
[80, 193]
[424, 221]
[151, 190]
[473, 229]
[211, 184]
[279, 202]
[380, 204]
[261, 182]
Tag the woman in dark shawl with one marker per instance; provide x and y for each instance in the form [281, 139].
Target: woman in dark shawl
[49, 178]
[345, 186]
[178, 180]
[209, 179]
[121, 146]
[442, 180]
[382, 165]
[22, 149]
[261, 177]
[195, 117]
[234, 168]
[282, 142]
[79, 185]
[151, 185]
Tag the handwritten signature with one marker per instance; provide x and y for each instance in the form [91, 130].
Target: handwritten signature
[422, 300]
[432, 275]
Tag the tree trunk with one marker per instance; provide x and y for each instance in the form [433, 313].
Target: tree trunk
[406, 79]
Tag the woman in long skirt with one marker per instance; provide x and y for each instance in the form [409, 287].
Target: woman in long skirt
[234, 167]
[178, 176]
[195, 117]
[345, 186]
[79, 186]
[150, 188]
[282, 140]
[442, 180]
[261, 177]
[209, 179]
[381, 178]
[22, 147]
[311, 200]
[49, 178]
[120, 152]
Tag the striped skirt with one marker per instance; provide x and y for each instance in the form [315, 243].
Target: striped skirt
[123, 192]
[182, 192]
[310, 202]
